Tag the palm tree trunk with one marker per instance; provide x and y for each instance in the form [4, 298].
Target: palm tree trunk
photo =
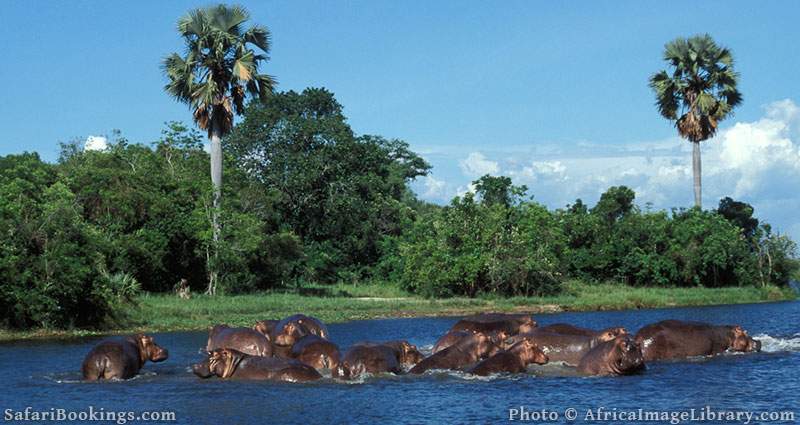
[216, 181]
[696, 169]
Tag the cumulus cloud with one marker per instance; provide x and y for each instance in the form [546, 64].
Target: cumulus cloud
[435, 189]
[476, 164]
[95, 143]
[757, 162]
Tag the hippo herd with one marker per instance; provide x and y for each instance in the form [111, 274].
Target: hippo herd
[298, 348]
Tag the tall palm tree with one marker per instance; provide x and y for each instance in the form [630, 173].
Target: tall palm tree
[697, 93]
[215, 77]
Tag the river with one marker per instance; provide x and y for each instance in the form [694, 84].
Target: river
[44, 375]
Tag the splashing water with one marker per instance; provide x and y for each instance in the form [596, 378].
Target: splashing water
[771, 344]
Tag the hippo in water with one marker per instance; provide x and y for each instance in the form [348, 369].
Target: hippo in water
[567, 349]
[619, 356]
[567, 329]
[245, 340]
[514, 360]
[265, 327]
[489, 323]
[227, 363]
[453, 337]
[316, 352]
[289, 330]
[463, 353]
[121, 359]
[386, 357]
[675, 339]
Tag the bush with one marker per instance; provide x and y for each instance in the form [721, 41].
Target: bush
[474, 248]
[53, 263]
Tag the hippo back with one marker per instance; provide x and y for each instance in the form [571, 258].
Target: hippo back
[245, 340]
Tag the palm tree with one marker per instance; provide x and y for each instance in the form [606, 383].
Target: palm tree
[697, 93]
[217, 74]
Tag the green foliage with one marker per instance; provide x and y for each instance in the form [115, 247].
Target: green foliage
[520, 248]
[493, 190]
[341, 194]
[699, 88]
[308, 201]
[220, 68]
[473, 248]
[52, 262]
[740, 214]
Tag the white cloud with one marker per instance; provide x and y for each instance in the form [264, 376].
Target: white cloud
[463, 190]
[434, 188]
[95, 143]
[476, 165]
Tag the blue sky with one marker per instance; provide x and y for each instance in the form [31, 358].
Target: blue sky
[552, 93]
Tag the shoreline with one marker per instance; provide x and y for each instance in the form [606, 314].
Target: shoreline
[342, 303]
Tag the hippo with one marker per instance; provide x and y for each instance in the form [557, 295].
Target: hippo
[245, 340]
[228, 363]
[452, 337]
[287, 331]
[316, 352]
[465, 352]
[675, 339]
[567, 349]
[514, 360]
[368, 357]
[489, 323]
[567, 329]
[121, 359]
[619, 356]
[265, 327]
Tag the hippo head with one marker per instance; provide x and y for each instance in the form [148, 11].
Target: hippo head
[500, 338]
[610, 333]
[149, 350]
[409, 353]
[290, 334]
[740, 341]
[223, 362]
[529, 352]
[626, 355]
[265, 327]
[486, 346]
[202, 370]
[527, 324]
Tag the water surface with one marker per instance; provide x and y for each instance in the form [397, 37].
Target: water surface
[46, 374]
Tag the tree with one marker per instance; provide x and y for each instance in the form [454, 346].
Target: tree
[340, 193]
[614, 204]
[498, 191]
[697, 93]
[740, 214]
[215, 77]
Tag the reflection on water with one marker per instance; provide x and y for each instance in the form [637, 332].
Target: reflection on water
[46, 374]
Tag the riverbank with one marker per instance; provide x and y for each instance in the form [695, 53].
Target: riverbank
[339, 303]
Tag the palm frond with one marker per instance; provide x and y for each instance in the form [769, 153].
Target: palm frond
[699, 90]
[219, 70]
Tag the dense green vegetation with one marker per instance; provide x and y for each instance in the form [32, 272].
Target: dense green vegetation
[308, 200]
[309, 205]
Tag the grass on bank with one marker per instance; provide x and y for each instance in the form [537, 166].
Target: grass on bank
[343, 302]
